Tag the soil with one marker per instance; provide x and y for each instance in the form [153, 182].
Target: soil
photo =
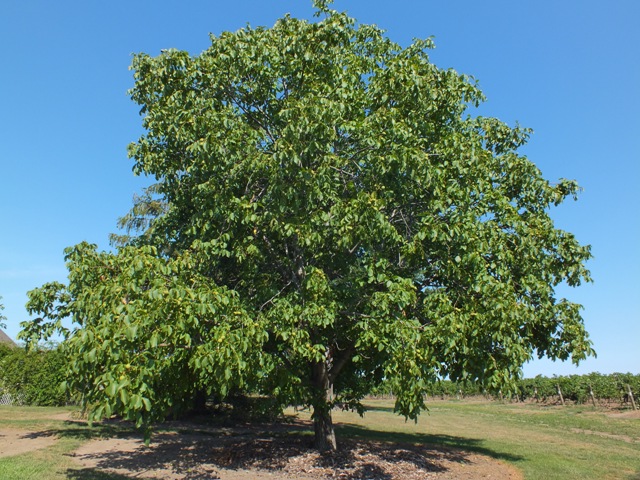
[625, 414]
[188, 456]
[16, 442]
[196, 456]
[189, 451]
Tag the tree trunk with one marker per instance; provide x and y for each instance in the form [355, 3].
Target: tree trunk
[199, 402]
[325, 436]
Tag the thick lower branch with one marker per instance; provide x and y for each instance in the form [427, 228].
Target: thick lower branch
[339, 364]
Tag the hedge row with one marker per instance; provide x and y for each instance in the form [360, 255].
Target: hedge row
[33, 377]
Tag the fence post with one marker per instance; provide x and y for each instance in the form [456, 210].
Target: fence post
[633, 402]
[593, 398]
[560, 394]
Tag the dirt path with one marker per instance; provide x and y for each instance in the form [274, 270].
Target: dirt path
[16, 442]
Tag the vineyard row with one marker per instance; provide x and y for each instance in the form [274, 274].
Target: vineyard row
[594, 387]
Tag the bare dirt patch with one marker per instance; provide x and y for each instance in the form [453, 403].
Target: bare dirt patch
[623, 438]
[626, 414]
[244, 454]
[17, 441]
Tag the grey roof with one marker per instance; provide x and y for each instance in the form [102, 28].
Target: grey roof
[4, 338]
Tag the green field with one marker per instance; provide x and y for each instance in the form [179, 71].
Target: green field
[543, 442]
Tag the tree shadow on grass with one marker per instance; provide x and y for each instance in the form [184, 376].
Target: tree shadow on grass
[379, 408]
[354, 431]
[93, 474]
[196, 454]
[82, 431]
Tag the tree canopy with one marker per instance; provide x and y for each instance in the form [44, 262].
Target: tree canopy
[327, 216]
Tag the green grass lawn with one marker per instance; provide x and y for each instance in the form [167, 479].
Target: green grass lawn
[54, 462]
[542, 442]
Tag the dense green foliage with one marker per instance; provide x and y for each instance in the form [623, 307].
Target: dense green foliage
[34, 377]
[326, 216]
[191, 332]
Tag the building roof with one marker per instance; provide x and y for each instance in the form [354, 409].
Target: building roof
[4, 338]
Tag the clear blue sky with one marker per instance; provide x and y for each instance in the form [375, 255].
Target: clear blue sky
[570, 70]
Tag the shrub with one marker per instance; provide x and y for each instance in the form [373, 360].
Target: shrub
[35, 376]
